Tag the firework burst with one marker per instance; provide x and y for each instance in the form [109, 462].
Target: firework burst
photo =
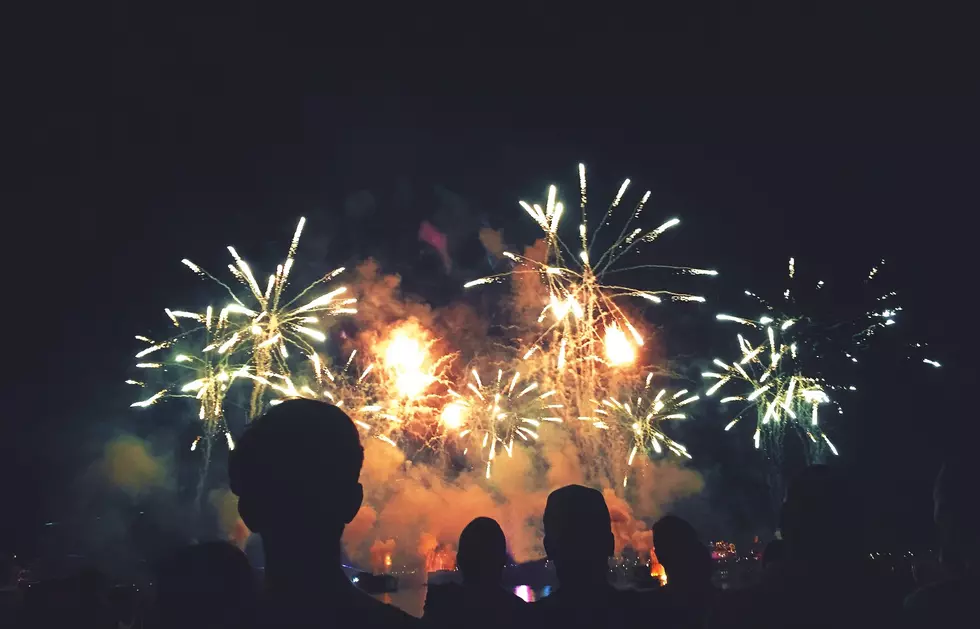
[641, 417]
[799, 338]
[268, 322]
[775, 389]
[193, 353]
[585, 325]
[496, 412]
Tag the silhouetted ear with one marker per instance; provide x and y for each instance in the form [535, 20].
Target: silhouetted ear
[351, 509]
[547, 547]
[610, 549]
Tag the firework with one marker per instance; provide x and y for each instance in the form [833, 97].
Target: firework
[782, 366]
[355, 390]
[266, 322]
[584, 324]
[495, 413]
[640, 417]
[201, 371]
[772, 383]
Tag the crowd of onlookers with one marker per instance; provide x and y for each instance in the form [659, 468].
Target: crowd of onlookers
[296, 470]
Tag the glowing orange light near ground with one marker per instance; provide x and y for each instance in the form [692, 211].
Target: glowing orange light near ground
[657, 569]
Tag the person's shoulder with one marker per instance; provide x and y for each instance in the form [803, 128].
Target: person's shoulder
[374, 613]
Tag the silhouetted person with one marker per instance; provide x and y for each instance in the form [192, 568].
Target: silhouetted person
[823, 579]
[687, 562]
[480, 601]
[774, 553]
[295, 472]
[579, 540]
[206, 586]
[951, 602]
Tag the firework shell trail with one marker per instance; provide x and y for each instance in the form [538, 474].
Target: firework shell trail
[635, 422]
[585, 327]
[267, 323]
[489, 414]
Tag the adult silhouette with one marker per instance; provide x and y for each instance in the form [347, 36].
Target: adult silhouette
[950, 602]
[295, 472]
[578, 538]
[687, 562]
[823, 580]
[206, 586]
[480, 601]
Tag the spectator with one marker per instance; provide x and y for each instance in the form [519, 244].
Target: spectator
[687, 562]
[480, 601]
[206, 586]
[295, 472]
[774, 552]
[823, 580]
[578, 539]
[950, 602]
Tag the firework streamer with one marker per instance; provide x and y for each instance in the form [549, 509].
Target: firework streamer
[491, 414]
[587, 334]
[197, 370]
[266, 323]
[638, 421]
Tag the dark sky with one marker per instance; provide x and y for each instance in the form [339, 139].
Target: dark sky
[154, 137]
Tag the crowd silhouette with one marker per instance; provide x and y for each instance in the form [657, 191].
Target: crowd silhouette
[296, 474]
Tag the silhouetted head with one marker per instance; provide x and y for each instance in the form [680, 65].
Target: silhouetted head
[956, 515]
[482, 552]
[295, 471]
[775, 550]
[685, 559]
[578, 534]
[818, 517]
[205, 585]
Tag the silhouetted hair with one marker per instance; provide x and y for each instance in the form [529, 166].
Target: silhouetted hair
[680, 550]
[482, 549]
[298, 450]
[576, 514]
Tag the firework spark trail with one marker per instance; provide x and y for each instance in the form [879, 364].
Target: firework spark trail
[640, 417]
[212, 372]
[267, 322]
[774, 385]
[782, 369]
[495, 413]
[584, 326]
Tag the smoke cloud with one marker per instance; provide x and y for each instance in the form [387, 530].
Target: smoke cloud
[128, 464]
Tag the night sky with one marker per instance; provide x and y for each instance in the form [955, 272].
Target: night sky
[153, 138]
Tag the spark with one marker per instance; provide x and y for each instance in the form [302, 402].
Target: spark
[641, 417]
[493, 415]
[585, 326]
[268, 322]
